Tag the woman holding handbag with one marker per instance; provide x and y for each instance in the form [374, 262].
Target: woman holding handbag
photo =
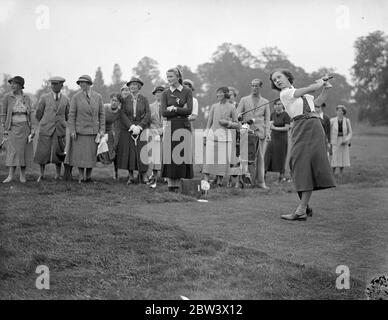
[340, 136]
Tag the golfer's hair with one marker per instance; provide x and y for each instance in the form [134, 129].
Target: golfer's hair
[286, 72]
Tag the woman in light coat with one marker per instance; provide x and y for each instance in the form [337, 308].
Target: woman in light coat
[340, 137]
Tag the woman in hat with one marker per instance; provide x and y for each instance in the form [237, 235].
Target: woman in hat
[177, 106]
[135, 117]
[125, 92]
[112, 129]
[310, 167]
[155, 132]
[276, 153]
[52, 113]
[87, 127]
[340, 136]
[218, 137]
[16, 120]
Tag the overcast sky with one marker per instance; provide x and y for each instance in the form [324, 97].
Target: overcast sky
[79, 36]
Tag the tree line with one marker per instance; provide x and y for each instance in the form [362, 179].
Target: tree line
[233, 65]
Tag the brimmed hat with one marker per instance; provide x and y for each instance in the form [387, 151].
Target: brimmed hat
[85, 78]
[124, 86]
[57, 80]
[158, 88]
[17, 79]
[344, 110]
[134, 79]
[189, 82]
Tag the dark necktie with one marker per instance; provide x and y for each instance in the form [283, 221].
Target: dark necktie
[56, 97]
[87, 97]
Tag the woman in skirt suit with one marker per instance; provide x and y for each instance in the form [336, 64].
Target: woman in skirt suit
[18, 132]
[219, 137]
[87, 127]
[340, 134]
[310, 167]
[177, 106]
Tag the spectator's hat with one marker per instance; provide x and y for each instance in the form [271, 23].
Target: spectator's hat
[157, 88]
[57, 80]
[341, 107]
[137, 80]
[191, 83]
[17, 79]
[85, 78]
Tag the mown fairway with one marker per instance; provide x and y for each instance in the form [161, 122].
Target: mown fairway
[109, 240]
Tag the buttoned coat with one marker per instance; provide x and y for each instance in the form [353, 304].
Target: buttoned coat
[86, 118]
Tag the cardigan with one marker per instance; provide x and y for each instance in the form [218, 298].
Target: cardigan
[143, 113]
[9, 101]
[52, 115]
[86, 118]
[347, 130]
[220, 111]
[182, 98]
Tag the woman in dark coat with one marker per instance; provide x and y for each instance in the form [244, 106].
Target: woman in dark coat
[310, 167]
[135, 117]
[276, 153]
[177, 106]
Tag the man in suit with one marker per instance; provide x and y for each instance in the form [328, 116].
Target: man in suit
[260, 119]
[52, 113]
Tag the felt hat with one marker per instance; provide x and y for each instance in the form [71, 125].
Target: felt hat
[344, 110]
[85, 78]
[191, 83]
[17, 79]
[134, 79]
[158, 88]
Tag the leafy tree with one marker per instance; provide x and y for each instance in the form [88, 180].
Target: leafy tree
[99, 85]
[147, 70]
[370, 74]
[117, 81]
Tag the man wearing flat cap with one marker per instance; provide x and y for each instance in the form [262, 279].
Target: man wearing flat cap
[52, 113]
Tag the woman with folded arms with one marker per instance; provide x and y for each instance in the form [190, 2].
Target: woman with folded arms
[177, 106]
[310, 167]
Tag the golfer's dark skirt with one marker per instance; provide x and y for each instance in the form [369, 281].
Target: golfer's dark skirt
[170, 168]
[129, 155]
[310, 167]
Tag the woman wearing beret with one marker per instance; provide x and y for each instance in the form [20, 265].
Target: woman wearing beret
[276, 153]
[16, 120]
[177, 106]
[135, 117]
[218, 136]
[87, 127]
[340, 136]
[310, 167]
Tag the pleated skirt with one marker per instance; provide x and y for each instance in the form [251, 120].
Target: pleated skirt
[340, 157]
[309, 165]
[82, 151]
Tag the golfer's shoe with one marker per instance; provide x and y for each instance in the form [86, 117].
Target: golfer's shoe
[309, 211]
[294, 217]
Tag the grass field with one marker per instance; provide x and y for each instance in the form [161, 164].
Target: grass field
[112, 241]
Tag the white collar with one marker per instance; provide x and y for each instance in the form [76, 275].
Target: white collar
[179, 88]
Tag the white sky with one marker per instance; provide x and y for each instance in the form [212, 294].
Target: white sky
[83, 35]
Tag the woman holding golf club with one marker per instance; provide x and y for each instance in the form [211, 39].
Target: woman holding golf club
[135, 117]
[310, 167]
